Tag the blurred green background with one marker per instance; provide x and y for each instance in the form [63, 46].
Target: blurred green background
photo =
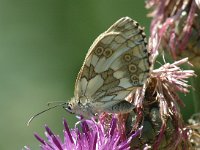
[42, 47]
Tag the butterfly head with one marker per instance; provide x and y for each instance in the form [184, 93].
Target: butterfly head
[71, 106]
[75, 107]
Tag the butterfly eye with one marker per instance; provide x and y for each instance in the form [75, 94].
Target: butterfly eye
[68, 108]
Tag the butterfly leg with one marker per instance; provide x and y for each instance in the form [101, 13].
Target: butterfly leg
[122, 107]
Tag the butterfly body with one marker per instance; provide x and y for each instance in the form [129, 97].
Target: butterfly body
[116, 64]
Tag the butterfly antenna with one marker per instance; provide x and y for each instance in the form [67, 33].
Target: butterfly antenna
[29, 121]
[53, 102]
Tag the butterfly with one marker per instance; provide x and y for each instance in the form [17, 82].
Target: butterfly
[117, 63]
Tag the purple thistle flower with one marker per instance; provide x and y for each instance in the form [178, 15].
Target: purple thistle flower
[176, 28]
[93, 136]
[169, 80]
[177, 25]
[157, 108]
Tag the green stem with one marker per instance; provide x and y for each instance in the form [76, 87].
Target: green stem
[196, 91]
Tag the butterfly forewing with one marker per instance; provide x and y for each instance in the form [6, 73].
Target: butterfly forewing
[116, 64]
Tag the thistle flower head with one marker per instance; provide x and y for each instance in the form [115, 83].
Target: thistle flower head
[157, 108]
[175, 28]
[177, 25]
[93, 135]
